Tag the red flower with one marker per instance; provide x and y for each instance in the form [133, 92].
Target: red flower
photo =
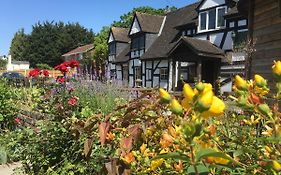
[17, 120]
[73, 63]
[73, 101]
[60, 80]
[34, 73]
[45, 73]
[62, 67]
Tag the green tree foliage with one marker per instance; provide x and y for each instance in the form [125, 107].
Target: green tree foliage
[48, 41]
[100, 44]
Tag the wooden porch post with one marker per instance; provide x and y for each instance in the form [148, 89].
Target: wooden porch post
[173, 75]
[199, 70]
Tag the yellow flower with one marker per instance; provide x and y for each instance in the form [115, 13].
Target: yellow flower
[188, 92]
[205, 101]
[176, 107]
[128, 158]
[165, 96]
[253, 121]
[186, 104]
[143, 148]
[217, 107]
[207, 87]
[260, 81]
[156, 163]
[240, 83]
[268, 131]
[276, 68]
[276, 165]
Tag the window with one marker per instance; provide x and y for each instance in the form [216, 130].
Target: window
[203, 20]
[240, 39]
[148, 74]
[220, 18]
[138, 73]
[125, 72]
[138, 43]
[164, 74]
[212, 19]
[112, 48]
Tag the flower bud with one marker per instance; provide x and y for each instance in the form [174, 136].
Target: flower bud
[205, 101]
[165, 96]
[260, 81]
[240, 83]
[264, 109]
[176, 107]
[276, 165]
[200, 87]
[188, 92]
[276, 69]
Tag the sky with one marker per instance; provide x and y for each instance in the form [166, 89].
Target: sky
[92, 14]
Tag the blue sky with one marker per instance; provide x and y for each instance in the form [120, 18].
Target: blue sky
[94, 14]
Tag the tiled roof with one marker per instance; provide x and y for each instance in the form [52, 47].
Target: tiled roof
[81, 49]
[200, 47]
[170, 35]
[124, 56]
[120, 34]
[149, 23]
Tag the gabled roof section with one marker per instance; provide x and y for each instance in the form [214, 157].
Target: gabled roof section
[81, 49]
[148, 23]
[204, 4]
[170, 35]
[200, 47]
[124, 56]
[120, 34]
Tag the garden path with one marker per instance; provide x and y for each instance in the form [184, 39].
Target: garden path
[8, 169]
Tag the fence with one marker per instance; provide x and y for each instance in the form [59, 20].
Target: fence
[53, 73]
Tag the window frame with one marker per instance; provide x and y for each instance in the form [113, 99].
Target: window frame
[217, 17]
[165, 75]
[112, 45]
[207, 19]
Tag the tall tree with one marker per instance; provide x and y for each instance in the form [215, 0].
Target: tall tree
[19, 45]
[48, 41]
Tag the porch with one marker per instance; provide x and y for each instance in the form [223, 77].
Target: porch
[194, 60]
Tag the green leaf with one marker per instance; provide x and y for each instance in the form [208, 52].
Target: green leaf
[211, 153]
[202, 170]
[176, 155]
[1, 118]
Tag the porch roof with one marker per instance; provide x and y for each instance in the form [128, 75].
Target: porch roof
[203, 48]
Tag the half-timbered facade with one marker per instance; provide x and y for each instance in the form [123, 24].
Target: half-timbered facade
[196, 42]
[117, 42]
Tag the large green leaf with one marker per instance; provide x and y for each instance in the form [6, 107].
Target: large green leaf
[211, 153]
[176, 156]
[3, 156]
[202, 170]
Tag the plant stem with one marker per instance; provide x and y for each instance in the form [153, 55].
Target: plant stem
[193, 160]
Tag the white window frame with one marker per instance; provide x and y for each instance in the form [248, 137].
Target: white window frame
[217, 16]
[207, 20]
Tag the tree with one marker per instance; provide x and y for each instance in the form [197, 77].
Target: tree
[19, 45]
[48, 41]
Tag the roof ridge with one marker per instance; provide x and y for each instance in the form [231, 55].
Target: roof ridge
[195, 3]
[156, 15]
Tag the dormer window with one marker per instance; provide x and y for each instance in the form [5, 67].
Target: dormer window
[212, 19]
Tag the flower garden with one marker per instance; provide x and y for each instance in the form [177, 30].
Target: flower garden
[96, 128]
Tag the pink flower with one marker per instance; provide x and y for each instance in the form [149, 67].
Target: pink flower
[17, 120]
[73, 101]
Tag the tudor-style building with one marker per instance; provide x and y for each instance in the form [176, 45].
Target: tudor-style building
[193, 42]
[118, 41]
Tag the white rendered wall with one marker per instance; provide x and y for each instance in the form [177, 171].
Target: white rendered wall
[211, 3]
[136, 27]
